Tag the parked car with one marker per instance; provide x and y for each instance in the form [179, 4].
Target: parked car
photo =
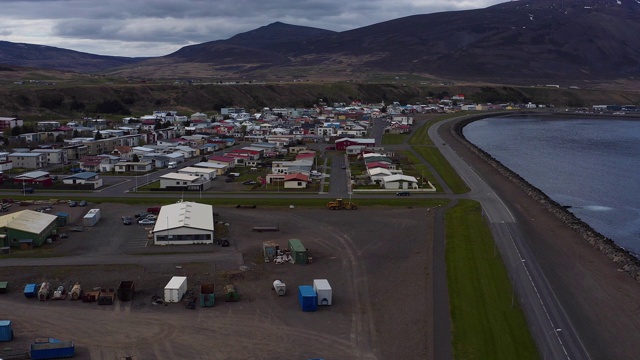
[146, 222]
[28, 190]
[142, 215]
[249, 182]
[151, 217]
[344, 167]
[126, 220]
[82, 203]
[72, 203]
[223, 242]
[403, 193]
[330, 148]
[229, 179]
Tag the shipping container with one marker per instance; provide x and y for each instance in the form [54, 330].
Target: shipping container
[6, 331]
[323, 291]
[30, 290]
[307, 298]
[53, 349]
[126, 290]
[298, 251]
[175, 289]
[107, 297]
[90, 220]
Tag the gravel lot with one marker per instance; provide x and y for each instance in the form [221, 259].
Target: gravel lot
[376, 259]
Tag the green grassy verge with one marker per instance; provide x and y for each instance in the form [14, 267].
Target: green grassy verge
[420, 169]
[393, 139]
[484, 322]
[434, 157]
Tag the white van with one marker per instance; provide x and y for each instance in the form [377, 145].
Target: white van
[172, 165]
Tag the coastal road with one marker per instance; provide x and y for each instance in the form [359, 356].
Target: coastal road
[550, 326]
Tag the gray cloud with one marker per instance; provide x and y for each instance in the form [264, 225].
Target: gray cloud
[158, 27]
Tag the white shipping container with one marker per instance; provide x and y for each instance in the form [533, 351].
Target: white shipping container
[96, 212]
[175, 289]
[323, 290]
[89, 220]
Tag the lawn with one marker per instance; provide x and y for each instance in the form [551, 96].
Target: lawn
[393, 139]
[434, 157]
[486, 323]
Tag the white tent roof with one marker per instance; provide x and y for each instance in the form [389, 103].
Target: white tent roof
[185, 214]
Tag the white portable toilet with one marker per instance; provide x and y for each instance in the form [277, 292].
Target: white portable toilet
[279, 287]
[323, 290]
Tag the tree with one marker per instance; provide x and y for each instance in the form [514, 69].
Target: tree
[135, 158]
[76, 133]
[98, 136]
[204, 159]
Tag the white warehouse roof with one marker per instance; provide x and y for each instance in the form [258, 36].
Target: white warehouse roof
[185, 214]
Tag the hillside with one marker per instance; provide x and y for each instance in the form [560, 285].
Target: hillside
[117, 101]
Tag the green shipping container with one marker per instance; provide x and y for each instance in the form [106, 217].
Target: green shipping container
[298, 251]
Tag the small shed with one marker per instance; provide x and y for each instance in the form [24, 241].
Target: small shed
[298, 251]
[269, 248]
[307, 298]
[4, 285]
[63, 218]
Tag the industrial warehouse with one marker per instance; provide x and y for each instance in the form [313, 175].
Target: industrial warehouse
[27, 228]
[184, 223]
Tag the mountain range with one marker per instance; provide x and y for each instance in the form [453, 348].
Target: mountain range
[512, 42]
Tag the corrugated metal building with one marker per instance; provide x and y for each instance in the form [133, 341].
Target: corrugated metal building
[184, 223]
[28, 224]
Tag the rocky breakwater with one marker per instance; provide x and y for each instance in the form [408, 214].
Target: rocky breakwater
[624, 259]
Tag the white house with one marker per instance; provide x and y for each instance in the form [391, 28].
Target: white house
[219, 168]
[184, 223]
[296, 181]
[182, 181]
[87, 177]
[400, 182]
[207, 174]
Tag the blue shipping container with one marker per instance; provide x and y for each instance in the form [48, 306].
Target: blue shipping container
[30, 290]
[6, 332]
[54, 349]
[307, 298]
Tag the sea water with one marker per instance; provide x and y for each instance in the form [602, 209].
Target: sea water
[589, 164]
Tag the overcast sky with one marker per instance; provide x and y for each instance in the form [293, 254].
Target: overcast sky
[160, 27]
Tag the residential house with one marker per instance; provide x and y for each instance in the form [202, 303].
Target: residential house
[10, 122]
[223, 160]
[189, 182]
[138, 167]
[5, 163]
[84, 178]
[55, 156]
[123, 152]
[342, 144]
[219, 168]
[207, 174]
[92, 163]
[296, 181]
[398, 182]
[30, 160]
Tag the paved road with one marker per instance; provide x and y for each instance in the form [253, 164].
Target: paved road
[548, 321]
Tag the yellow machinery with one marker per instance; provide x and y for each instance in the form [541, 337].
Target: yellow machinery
[339, 204]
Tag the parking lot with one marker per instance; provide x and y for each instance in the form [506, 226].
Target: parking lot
[379, 271]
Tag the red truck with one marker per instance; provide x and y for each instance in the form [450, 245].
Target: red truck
[154, 210]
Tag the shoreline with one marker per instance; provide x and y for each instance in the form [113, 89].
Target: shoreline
[617, 254]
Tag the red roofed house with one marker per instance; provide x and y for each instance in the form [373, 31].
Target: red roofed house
[224, 160]
[296, 181]
[344, 143]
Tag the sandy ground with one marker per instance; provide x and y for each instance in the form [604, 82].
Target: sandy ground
[376, 259]
[601, 300]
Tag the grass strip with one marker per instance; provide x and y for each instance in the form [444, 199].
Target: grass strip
[486, 324]
[434, 157]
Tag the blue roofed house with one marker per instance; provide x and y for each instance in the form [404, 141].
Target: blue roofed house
[84, 178]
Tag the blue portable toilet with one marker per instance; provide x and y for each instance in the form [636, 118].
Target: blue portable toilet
[30, 290]
[307, 298]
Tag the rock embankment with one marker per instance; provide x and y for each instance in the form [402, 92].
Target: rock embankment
[623, 258]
